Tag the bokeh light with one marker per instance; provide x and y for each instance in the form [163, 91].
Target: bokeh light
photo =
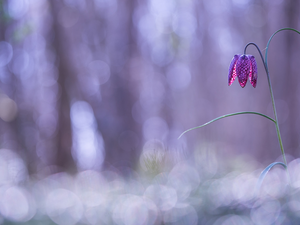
[94, 95]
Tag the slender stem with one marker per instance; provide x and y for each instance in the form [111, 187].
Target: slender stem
[273, 103]
[287, 28]
[273, 100]
[265, 62]
[262, 58]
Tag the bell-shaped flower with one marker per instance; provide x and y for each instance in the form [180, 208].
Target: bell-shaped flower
[243, 67]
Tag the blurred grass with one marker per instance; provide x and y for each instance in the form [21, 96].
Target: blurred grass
[203, 188]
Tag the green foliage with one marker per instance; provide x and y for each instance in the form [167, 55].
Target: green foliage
[224, 116]
[154, 162]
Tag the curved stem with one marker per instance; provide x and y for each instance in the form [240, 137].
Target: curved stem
[273, 103]
[272, 97]
[262, 58]
[287, 28]
[265, 62]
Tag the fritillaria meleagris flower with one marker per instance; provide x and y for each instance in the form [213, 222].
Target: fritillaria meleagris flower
[243, 67]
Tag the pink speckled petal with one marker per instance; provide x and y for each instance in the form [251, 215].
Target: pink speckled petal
[253, 67]
[232, 70]
[243, 69]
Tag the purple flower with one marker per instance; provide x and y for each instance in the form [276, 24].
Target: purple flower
[243, 67]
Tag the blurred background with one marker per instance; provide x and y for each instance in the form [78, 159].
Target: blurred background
[94, 85]
[87, 84]
[91, 84]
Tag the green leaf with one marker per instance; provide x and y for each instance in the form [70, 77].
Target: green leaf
[224, 116]
[265, 171]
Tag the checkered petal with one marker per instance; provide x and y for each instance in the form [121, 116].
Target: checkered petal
[232, 70]
[253, 71]
[243, 69]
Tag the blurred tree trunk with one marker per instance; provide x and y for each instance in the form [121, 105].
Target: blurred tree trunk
[9, 130]
[2, 20]
[64, 136]
[291, 77]
[120, 149]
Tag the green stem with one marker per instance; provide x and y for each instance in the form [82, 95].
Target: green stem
[272, 97]
[273, 101]
[265, 62]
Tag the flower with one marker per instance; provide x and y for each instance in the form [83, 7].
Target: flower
[243, 66]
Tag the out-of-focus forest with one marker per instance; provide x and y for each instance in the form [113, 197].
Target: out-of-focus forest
[90, 84]
[96, 84]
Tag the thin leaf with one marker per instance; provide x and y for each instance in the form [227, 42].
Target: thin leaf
[265, 171]
[224, 116]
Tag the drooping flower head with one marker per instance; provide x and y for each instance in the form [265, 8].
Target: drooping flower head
[243, 67]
